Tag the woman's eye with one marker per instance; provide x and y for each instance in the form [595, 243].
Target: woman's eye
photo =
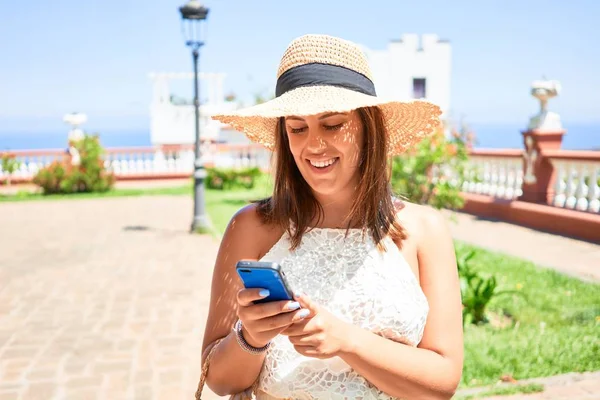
[296, 130]
[333, 127]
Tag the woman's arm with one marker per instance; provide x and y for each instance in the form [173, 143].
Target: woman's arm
[233, 370]
[433, 370]
[430, 371]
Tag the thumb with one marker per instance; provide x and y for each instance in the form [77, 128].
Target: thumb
[307, 303]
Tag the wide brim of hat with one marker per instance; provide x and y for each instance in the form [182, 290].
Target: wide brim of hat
[406, 122]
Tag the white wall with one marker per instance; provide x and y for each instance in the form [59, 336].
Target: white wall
[395, 67]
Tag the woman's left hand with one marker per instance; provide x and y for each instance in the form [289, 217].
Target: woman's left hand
[321, 334]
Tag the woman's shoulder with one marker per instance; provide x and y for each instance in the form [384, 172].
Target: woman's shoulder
[422, 221]
[248, 227]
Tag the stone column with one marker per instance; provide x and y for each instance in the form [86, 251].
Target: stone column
[538, 173]
[544, 133]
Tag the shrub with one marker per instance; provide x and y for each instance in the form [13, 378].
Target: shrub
[86, 175]
[227, 179]
[476, 289]
[8, 164]
[432, 173]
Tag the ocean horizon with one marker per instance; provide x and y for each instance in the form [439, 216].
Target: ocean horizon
[578, 137]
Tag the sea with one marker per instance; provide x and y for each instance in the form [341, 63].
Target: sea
[578, 137]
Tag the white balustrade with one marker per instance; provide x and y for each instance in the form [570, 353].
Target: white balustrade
[493, 173]
[242, 157]
[576, 185]
[497, 176]
[148, 162]
[30, 164]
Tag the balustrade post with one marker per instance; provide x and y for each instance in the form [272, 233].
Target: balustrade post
[539, 174]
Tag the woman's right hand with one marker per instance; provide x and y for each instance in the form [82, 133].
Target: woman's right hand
[262, 322]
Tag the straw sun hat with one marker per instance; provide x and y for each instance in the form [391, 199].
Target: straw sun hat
[320, 73]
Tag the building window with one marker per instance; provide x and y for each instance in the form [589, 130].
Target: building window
[419, 88]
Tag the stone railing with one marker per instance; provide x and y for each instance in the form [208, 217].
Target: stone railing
[575, 182]
[496, 173]
[133, 163]
[148, 162]
[577, 175]
[554, 190]
[30, 162]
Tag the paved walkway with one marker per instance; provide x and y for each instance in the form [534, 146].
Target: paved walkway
[570, 256]
[102, 299]
[107, 298]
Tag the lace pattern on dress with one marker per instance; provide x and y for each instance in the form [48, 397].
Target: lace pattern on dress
[357, 283]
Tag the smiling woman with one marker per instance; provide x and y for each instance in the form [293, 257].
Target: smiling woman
[330, 136]
[376, 311]
[338, 155]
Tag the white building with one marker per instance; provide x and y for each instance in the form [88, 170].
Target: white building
[172, 123]
[413, 67]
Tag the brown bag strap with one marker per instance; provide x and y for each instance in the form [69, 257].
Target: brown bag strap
[204, 371]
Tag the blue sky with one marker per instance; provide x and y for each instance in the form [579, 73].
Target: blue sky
[94, 56]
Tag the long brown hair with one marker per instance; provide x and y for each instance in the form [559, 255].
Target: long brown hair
[294, 205]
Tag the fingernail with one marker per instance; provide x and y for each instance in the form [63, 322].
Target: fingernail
[304, 313]
[264, 293]
[293, 306]
[298, 294]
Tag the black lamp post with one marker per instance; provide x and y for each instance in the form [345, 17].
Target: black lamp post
[192, 14]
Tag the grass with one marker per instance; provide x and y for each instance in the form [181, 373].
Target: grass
[27, 196]
[554, 331]
[230, 200]
[221, 205]
[504, 391]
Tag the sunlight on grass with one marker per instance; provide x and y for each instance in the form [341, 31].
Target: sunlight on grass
[504, 391]
[26, 196]
[554, 331]
[222, 205]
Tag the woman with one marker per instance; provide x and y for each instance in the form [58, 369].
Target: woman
[379, 315]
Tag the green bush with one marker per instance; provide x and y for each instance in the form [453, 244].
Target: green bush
[227, 179]
[432, 173]
[9, 164]
[89, 175]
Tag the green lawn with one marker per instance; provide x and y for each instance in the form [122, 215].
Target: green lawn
[26, 196]
[222, 205]
[556, 330]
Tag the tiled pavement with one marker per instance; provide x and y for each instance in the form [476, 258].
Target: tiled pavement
[101, 299]
[107, 299]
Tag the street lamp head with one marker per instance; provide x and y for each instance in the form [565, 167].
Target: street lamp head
[193, 10]
[192, 14]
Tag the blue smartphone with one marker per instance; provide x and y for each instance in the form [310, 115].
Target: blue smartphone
[265, 275]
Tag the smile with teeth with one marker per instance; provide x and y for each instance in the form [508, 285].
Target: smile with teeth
[322, 164]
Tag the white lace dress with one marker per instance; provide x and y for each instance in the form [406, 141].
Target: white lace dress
[353, 280]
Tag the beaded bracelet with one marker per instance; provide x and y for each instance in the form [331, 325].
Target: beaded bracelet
[239, 335]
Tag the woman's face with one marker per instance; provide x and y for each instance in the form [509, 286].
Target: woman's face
[326, 148]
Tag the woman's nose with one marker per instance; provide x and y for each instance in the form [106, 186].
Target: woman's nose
[316, 143]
